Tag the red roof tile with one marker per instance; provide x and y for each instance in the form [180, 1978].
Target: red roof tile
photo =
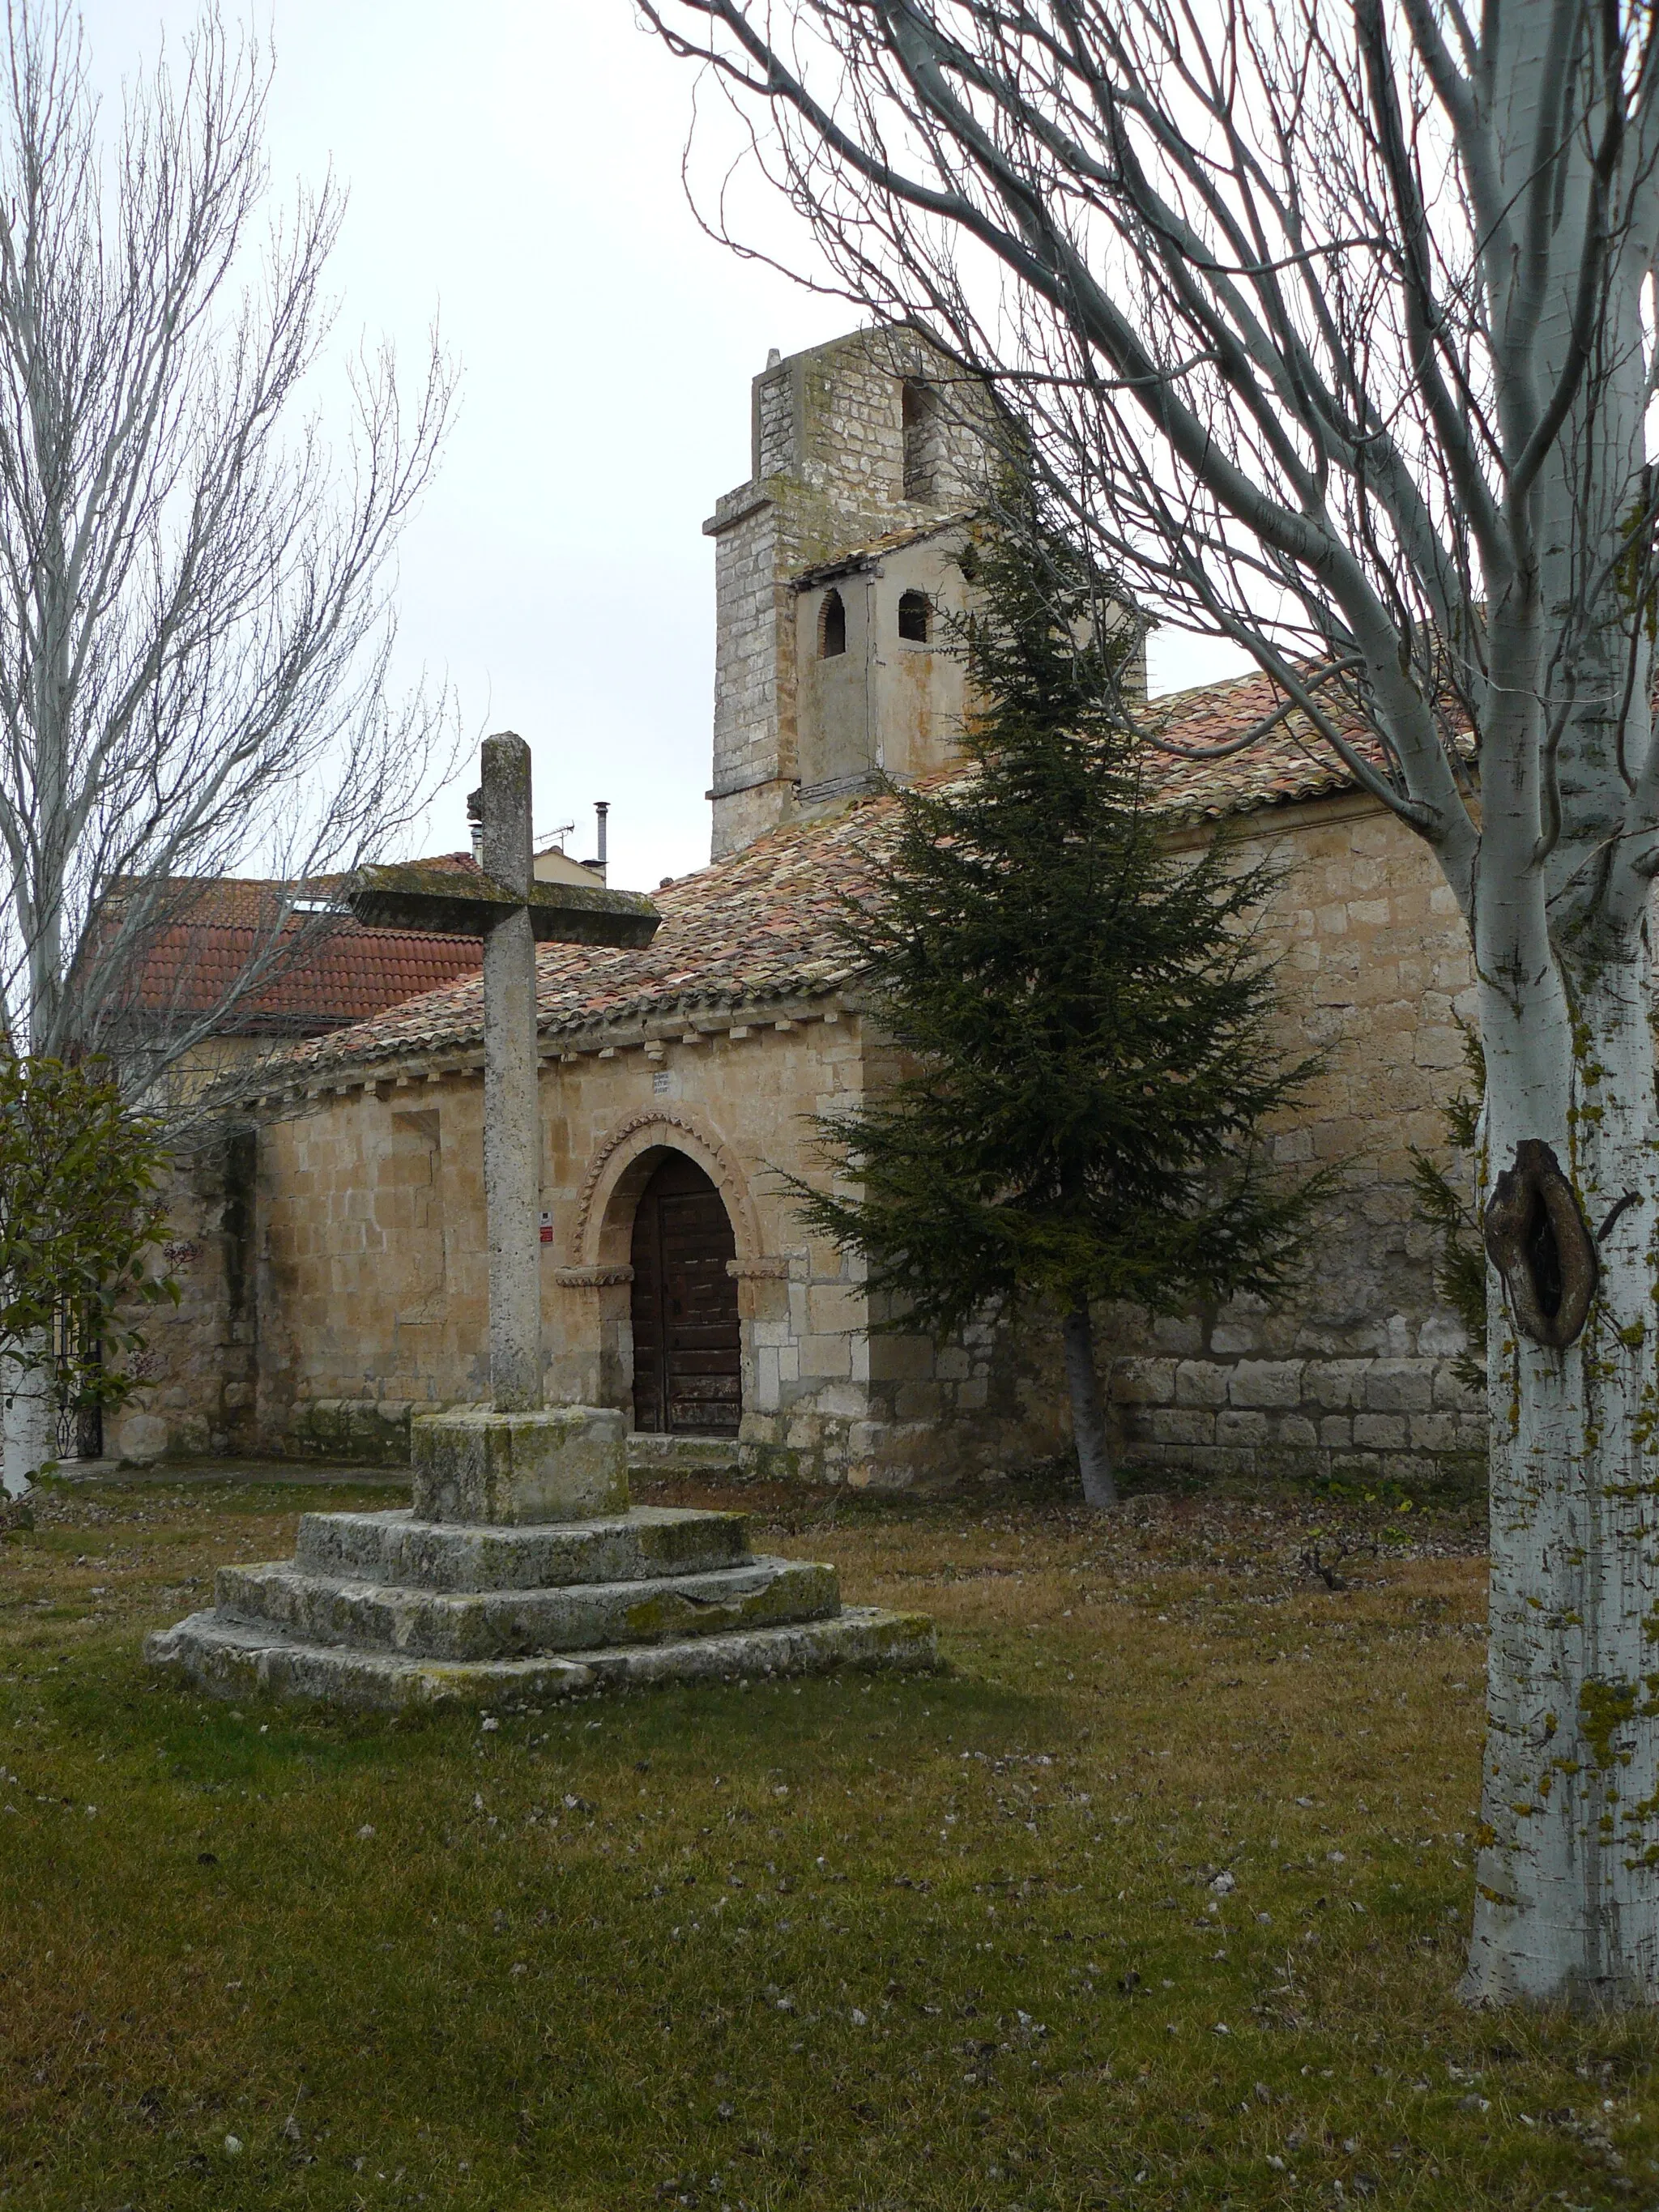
[327, 970]
[1292, 762]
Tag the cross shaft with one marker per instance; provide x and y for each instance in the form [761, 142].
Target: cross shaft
[512, 912]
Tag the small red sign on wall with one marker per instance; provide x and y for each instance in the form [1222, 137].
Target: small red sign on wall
[547, 1229]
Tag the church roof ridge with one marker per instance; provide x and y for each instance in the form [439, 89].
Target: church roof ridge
[758, 927]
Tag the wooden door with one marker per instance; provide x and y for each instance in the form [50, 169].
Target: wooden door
[687, 1347]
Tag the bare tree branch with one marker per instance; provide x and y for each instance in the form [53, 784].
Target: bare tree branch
[195, 621]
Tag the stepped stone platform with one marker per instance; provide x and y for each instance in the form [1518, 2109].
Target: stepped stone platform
[433, 1605]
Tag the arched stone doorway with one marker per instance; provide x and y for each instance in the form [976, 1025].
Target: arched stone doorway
[687, 1338]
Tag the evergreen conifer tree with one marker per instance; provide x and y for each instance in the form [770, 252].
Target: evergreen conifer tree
[1084, 1009]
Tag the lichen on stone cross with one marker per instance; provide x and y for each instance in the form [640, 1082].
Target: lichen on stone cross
[511, 912]
[511, 1123]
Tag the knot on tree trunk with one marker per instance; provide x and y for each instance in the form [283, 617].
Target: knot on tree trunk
[1538, 1240]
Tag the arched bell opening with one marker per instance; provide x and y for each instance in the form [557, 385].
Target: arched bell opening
[686, 1332]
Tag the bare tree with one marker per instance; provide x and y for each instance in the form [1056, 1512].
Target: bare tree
[195, 629]
[1334, 320]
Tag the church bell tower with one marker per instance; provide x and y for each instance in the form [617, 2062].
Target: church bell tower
[835, 574]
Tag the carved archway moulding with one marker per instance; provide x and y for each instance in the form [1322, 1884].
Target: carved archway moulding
[600, 1241]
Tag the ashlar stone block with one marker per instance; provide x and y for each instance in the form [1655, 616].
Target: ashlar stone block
[1235, 1336]
[1400, 1386]
[1241, 1428]
[557, 1463]
[1453, 1390]
[835, 1308]
[1144, 1381]
[1295, 1432]
[1267, 1383]
[1201, 1383]
[828, 1357]
[1380, 1431]
[1177, 1424]
[1337, 1383]
[1178, 1333]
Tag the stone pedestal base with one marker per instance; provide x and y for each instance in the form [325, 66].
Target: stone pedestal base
[224, 1657]
[390, 1610]
[513, 1470]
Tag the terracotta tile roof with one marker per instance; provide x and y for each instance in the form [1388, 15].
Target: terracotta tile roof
[1290, 762]
[757, 928]
[345, 976]
[328, 971]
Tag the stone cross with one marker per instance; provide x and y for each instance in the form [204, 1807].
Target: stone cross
[512, 913]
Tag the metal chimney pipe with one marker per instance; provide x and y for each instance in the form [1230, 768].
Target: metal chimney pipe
[601, 809]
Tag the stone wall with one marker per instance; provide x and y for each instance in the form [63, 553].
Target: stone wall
[372, 1259]
[842, 429]
[199, 1362]
[372, 1273]
[1355, 1374]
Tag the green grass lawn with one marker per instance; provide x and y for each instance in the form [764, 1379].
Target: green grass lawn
[1157, 1897]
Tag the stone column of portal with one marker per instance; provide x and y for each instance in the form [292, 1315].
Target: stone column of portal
[512, 1125]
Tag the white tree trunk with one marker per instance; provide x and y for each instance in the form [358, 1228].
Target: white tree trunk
[1435, 460]
[1567, 1895]
[28, 1426]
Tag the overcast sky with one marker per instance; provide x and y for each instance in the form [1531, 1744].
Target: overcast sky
[513, 167]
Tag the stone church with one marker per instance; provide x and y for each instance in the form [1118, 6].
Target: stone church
[331, 1246]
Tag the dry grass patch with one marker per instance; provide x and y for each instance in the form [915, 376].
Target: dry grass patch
[1156, 1899]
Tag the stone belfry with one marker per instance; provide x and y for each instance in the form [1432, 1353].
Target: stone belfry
[862, 449]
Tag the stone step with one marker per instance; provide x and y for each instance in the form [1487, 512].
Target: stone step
[492, 1625]
[650, 1455]
[230, 1658]
[651, 1541]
